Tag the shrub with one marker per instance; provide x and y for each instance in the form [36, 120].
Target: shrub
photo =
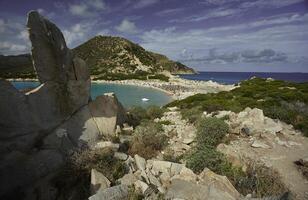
[159, 77]
[260, 181]
[75, 175]
[136, 114]
[148, 139]
[204, 156]
[165, 122]
[211, 131]
[192, 115]
[154, 112]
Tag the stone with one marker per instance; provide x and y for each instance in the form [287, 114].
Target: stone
[107, 112]
[218, 183]
[188, 140]
[141, 186]
[120, 156]
[165, 179]
[259, 144]
[128, 179]
[222, 114]
[211, 187]
[186, 174]
[181, 189]
[112, 193]
[304, 161]
[176, 168]
[140, 162]
[153, 180]
[98, 181]
[161, 167]
[118, 130]
[107, 144]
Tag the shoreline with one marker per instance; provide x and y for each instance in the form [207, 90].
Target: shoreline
[177, 88]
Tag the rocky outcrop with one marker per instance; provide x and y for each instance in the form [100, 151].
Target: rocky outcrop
[174, 180]
[39, 128]
[262, 141]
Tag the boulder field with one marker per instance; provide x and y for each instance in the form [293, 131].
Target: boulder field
[39, 128]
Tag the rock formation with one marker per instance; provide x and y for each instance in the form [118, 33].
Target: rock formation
[38, 128]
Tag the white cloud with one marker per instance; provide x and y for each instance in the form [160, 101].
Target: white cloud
[145, 3]
[270, 3]
[127, 26]
[79, 10]
[77, 33]
[12, 48]
[169, 12]
[214, 13]
[88, 8]
[289, 38]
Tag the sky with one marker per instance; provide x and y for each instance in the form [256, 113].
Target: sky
[208, 35]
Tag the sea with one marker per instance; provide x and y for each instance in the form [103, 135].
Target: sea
[128, 95]
[236, 77]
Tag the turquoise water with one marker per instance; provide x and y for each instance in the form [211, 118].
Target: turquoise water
[127, 95]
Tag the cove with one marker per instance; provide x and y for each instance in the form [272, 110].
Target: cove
[128, 95]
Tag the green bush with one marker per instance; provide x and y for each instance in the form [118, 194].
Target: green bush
[211, 131]
[137, 114]
[204, 156]
[192, 115]
[148, 139]
[154, 112]
[270, 96]
[159, 77]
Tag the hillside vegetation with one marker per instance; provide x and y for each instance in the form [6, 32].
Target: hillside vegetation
[281, 100]
[108, 58]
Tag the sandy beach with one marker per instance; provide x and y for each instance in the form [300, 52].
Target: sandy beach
[177, 88]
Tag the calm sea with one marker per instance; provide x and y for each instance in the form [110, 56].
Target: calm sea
[235, 77]
[128, 95]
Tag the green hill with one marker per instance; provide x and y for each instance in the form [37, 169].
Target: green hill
[108, 58]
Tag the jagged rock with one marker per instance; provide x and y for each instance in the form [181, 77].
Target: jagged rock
[112, 193]
[128, 179]
[39, 128]
[184, 189]
[259, 144]
[98, 181]
[140, 162]
[107, 112]
[222, 183]
[141, 186]
[186, 174]
[107, 144]
[120, 156]
[161, 167]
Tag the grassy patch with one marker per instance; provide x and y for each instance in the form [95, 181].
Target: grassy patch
[281, 100]
[148, 140]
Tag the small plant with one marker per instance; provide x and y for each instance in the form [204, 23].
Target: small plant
[148, 139]
[204, 156]
[76, 173]
[192, 114]
[165, 122]
[211, 131]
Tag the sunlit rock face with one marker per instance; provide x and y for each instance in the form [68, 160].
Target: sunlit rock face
[39, 128]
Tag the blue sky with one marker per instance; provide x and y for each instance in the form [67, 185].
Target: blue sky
[208, 35]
